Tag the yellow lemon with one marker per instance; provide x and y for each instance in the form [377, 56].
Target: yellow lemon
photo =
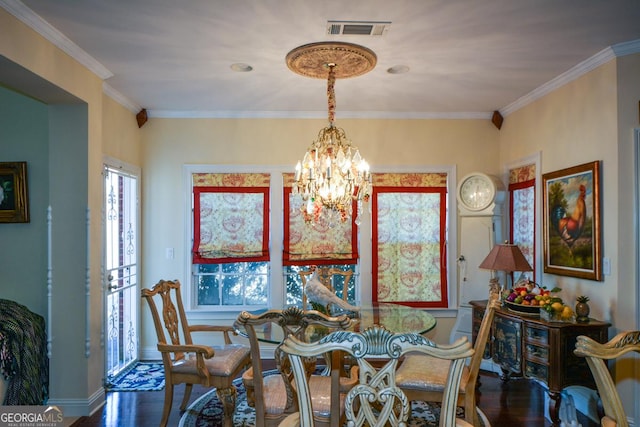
[566, 312]
[557, 306]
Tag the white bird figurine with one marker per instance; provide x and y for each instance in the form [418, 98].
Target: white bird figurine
[317, 292]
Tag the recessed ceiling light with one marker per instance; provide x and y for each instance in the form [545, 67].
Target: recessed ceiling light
[241, 67]
[398, 69]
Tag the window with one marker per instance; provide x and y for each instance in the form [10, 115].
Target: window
[224, 278]
[230, 256]
[409, 239]
[522, 208]
[330, 245]
[238, 283]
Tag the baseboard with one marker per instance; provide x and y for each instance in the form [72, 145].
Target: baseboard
[490, 366]
[80, 407]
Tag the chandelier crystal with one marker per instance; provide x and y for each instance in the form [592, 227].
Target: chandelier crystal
[332, 174]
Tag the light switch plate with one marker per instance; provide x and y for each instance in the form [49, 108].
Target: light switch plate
[606, 266]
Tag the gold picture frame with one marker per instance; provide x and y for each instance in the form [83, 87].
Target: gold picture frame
[14, 201]
[571, 216]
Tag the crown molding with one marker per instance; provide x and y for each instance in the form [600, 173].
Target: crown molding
[120, 98]
[46, 30]
[171, 114]
[600, 58]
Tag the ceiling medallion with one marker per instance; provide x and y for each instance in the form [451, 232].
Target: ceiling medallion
[311, 60]
[332, 173]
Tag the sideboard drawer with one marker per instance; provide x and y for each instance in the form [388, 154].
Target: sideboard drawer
[540, 336]
[537, 352]
[536, 371]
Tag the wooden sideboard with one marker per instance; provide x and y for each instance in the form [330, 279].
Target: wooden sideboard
[529, 347]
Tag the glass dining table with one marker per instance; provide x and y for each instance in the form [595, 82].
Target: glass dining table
[395, 317]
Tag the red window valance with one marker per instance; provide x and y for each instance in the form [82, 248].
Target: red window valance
[409, 239]
[317, 243]
[230, 217]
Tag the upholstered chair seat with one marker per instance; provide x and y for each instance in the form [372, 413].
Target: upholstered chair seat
[427, 373]
[224, 364]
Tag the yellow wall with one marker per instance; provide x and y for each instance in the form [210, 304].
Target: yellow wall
[120, 133]
[573, 125]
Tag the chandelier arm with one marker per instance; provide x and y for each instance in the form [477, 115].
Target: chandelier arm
[331, 94]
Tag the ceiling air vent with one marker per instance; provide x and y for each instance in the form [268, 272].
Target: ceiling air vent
[359, 28]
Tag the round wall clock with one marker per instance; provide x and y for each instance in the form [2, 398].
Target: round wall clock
[477, 191]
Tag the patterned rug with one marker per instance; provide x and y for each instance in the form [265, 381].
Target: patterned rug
[143, 376]
[207, 411]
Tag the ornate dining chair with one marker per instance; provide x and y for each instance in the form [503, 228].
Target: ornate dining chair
[376, 399]
[424, 378]
[188, 363]
[273, 396]
[596, 355]
[335, 279]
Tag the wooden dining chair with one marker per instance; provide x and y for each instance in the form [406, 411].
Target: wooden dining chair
[597, 354]
[335, 279]
[188, 363]
[423, 378]
[273, 396]
[376, 400]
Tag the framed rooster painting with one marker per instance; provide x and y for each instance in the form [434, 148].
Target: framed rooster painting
[571, 215]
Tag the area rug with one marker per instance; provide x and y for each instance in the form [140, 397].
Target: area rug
[143, 376]
[207, 411]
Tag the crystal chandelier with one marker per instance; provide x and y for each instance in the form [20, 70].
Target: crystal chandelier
[332, 173]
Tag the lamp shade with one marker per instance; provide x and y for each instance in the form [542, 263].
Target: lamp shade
[506, 257]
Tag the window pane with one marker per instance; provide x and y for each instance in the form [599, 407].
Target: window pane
[294, 283]
[207, 268]
[208, 290]
[232, 290]
[233, 284]
[231, 268]
[256, 290]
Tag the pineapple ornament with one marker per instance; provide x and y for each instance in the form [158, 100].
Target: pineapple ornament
[582, 309]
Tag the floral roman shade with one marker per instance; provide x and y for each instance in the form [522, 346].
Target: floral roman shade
[230, 217]
[317, 243]
[522, 208]
[409, 238]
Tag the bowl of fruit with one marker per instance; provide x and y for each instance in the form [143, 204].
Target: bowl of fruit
[529, 298]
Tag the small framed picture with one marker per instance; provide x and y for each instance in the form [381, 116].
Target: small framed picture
[14, 201]
[571, 216]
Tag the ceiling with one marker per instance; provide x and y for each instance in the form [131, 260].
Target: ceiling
[466, 58]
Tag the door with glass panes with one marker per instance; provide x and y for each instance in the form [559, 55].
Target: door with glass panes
[121, 247]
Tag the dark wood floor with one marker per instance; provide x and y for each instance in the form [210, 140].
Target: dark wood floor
[512, 404]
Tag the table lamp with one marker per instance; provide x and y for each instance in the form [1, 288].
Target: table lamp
[505, 257]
